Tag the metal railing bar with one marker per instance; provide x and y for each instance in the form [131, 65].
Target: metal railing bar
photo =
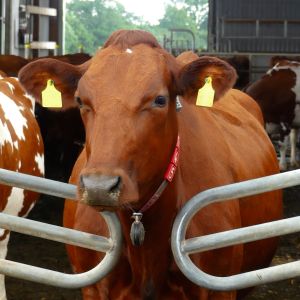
[241, 235]
[59, 279]
[224, 193]
[247, 188]
[55, 233]
[244, 280]
[111, 246]
[38, 184]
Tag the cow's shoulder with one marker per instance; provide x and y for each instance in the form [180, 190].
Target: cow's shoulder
[240, 104]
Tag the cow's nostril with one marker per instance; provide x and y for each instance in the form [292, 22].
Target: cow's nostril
[98, 189]
[92, 182]
[81, 182]
[117, 186]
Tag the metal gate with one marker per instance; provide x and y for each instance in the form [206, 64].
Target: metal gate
[110, 245]
[181, 247]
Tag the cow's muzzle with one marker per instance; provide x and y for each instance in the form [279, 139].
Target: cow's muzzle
[100, 190]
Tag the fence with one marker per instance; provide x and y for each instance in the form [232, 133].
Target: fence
[181, 248]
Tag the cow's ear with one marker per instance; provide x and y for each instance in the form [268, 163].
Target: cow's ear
[35, 75]
[192, 77]
[186, 57]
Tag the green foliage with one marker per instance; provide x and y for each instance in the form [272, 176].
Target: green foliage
[183, 17]
[90, 22]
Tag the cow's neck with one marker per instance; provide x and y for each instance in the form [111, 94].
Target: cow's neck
[150, 262]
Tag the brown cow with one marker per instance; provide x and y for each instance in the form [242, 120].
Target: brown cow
[127, 101]
[186, 57]
[12, 64]
[21, 148]
[279, 58]
[278, 95]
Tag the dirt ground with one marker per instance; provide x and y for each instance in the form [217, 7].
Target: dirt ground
[43, 253]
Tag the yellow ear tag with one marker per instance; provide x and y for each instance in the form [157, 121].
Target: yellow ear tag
[206, 94]
[51, 97]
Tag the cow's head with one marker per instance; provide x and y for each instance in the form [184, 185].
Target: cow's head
[126, 95]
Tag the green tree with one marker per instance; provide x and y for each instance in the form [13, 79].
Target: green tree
[89, 23]
[197, 10]
[187, 14]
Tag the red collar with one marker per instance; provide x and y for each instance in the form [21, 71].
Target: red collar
[137, 231]
[168, 177]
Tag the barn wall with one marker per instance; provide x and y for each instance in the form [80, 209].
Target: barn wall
[254, 26]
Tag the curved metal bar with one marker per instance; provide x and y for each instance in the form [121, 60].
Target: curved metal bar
[186, 31]
[55, 233]
[182, 248]
[112, 245]
[54, 278]
[38, 184]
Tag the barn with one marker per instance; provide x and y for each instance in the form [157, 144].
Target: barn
[255, 29]
[251, 29]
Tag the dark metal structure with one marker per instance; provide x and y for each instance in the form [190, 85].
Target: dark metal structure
[258, 29]
[254, 26]
[176, 45]
[31, 28]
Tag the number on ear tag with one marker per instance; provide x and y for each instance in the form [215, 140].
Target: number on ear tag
[51, 97]
[206, 94]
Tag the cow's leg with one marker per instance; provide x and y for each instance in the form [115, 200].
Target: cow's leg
[293, 141]
[3, 251]
[283, 145]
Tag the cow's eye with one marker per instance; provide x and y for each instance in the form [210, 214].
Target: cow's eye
[160, 101]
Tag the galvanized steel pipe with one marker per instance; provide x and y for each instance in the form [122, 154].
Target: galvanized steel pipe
[110, 245]
[54, 278]
[38, 184]
[182, 248]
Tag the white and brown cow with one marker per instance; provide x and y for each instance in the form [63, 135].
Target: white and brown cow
[278, 94]
[21, 149]
[62, 131]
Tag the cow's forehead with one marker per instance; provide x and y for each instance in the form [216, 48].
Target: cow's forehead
[121, 71]
[140, 57]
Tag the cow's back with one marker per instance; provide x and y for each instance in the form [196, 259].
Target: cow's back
[21, 143]
[21, 149]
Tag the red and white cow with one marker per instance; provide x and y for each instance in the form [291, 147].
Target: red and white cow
[278, 95]
[21, 149]
[127, 98]
[62, 131]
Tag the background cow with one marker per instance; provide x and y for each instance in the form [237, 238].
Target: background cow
[240, 63]
[278, 95]
[127, 101]
[21, 150]
[12, 64]
[62, 131]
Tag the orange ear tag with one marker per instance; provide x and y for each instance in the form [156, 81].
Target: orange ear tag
[51, 97]
[206, 94]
